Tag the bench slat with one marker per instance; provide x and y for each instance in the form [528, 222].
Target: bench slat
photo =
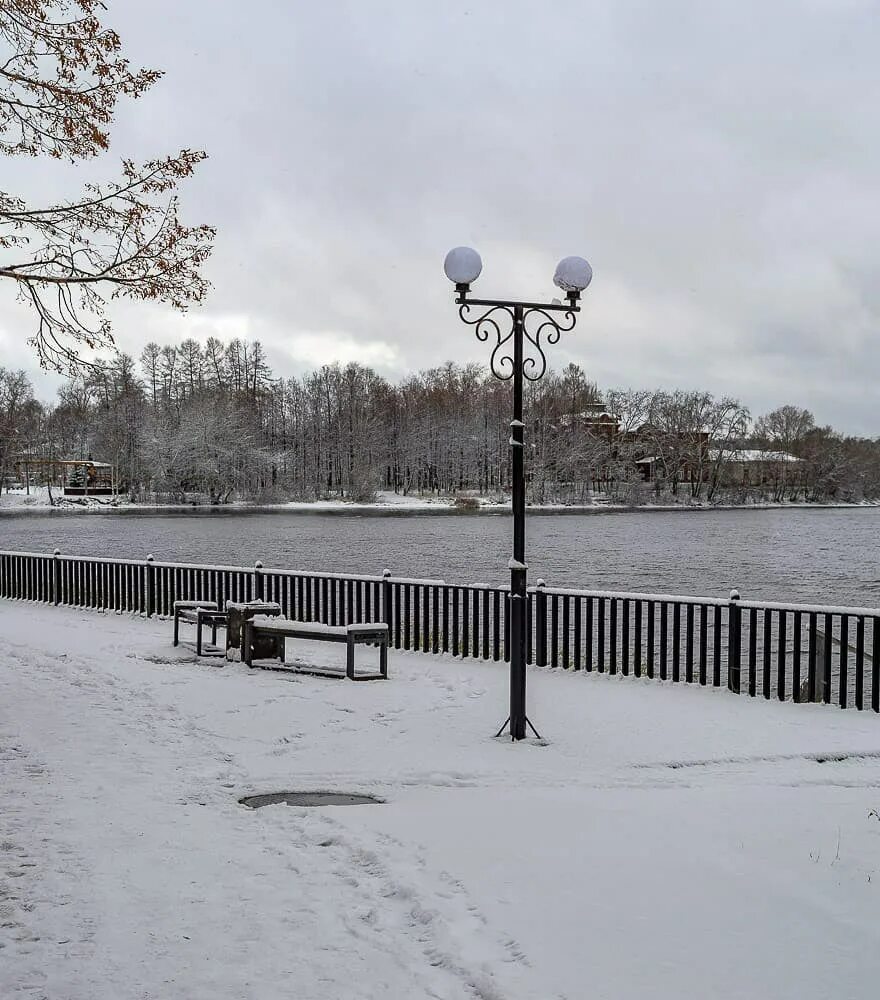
[308, 630]
[375, 632]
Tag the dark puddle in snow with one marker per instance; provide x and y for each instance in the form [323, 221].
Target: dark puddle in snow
[309, 799]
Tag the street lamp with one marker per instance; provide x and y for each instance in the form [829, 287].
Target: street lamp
[524, 323]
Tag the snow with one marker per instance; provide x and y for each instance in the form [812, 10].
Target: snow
[747, 455]
[386, 502]
[39, 499]
[573, 274]
[19, 498]
[667, 842]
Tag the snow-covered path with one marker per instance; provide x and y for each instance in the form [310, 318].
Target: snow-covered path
[665, 843]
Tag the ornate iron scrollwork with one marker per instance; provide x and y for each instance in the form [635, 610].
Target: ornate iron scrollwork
[499, 322]
[535, 362]
[485, 326]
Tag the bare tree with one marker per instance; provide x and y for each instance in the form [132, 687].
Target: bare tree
[168, 373]
[785, 428]
[724, 423]
[630, 408]
[62, 72]
[16, 415]
[150, 366]
[785, 431]
[191, 366]
[214, 362]
[344, 431]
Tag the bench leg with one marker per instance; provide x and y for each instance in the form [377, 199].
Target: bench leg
[176, 627]
[383, 659]
[349, 659]
[213, 633]
[281, 651]
[247, 652]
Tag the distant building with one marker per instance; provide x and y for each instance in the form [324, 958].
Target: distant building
[75, 477]
[755, 467]
[648, 467]
[595, 419]
[684, 454]
[640, 445]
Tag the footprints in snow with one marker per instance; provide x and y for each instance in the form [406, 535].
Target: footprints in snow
[399, 898]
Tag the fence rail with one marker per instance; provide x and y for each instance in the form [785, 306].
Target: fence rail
[788, 652]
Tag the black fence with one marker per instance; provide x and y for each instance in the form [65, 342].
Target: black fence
[788, 652]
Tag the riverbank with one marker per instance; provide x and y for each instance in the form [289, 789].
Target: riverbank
[387, 504]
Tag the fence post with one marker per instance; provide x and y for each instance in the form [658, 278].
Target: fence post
[56, 577]
[540, 624]
[258, 581]
[150, 597]
[734, 645]
[386, 598]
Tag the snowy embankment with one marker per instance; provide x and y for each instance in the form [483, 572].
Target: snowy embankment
[386, 502]
[38, 499]
[666, 843]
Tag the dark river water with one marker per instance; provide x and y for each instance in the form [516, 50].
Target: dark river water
[822, 555]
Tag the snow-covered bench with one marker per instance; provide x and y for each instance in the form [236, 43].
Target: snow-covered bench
[238, 614]
[201, 613]
[198, 613]
[374, 633]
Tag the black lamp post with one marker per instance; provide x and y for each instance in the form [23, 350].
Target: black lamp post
[517, 353]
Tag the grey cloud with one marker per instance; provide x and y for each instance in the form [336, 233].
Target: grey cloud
[718, 163]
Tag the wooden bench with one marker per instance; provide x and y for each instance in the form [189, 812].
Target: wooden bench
[201, 613]
[375, 633]
[198, 613]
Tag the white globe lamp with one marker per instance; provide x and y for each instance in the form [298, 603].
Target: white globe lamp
[462, 265]
[573, 275]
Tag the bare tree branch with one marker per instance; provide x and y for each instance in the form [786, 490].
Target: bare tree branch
[58, 90]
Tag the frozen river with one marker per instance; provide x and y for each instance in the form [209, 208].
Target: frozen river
[799, 554]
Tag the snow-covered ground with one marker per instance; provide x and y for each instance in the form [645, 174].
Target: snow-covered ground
[36, 497]
[665, 843]
[38, 500]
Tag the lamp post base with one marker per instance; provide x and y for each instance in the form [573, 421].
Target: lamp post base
[528, 723]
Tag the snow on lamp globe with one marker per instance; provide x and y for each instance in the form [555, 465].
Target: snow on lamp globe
[573, 275]
[462, 266]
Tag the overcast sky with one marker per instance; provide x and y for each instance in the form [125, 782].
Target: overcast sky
[718, 163]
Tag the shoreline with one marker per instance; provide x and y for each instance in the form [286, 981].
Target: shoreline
[415, 509]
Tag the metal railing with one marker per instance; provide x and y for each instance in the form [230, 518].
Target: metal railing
[788, 652]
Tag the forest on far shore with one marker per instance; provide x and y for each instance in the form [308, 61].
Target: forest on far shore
[213, 422]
